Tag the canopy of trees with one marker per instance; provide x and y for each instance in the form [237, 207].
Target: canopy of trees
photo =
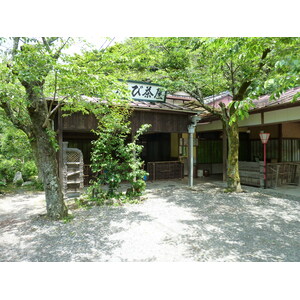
[38, 79]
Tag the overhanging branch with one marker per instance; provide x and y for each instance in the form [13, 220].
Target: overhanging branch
[10, 114]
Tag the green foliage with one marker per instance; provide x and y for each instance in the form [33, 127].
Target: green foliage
[13, 142]
[114, 159]
[37, 78]
[15, 152]
[68, 219]
[248, 67]
[29, 170]
[8, 168]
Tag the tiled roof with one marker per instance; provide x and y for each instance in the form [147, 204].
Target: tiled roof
[212, 98]
[264, 103]
[286, 97]
[159, 106]
[180, 97]
[145, 105]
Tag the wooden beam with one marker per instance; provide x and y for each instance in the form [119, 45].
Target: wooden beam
[225, 154]
[60, 144]
[280, 143]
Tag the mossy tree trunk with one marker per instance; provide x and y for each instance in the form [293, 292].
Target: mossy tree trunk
[45, 151]
[233, 176]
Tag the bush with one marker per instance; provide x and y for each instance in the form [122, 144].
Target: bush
[9, 167]
[29, 170]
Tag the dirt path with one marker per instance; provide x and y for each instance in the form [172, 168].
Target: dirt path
[175, 223]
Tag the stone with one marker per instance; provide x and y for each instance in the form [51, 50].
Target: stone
[3, 181]
[27, 183]
[18, 179]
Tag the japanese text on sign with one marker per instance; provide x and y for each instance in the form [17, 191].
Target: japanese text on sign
[146, 92]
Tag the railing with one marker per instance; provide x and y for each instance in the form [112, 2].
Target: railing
[283, 173]
[252, 173]
[165, 170]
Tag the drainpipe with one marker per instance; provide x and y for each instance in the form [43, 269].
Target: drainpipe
[191, 130]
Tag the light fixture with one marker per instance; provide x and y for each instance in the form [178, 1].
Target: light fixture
[264, 137]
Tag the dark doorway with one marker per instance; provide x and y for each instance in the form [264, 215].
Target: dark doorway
[157, 147]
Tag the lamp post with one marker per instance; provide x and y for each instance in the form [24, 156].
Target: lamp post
[264, 139]
[191, 130]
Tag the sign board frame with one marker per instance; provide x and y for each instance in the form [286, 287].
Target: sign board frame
[144, 91]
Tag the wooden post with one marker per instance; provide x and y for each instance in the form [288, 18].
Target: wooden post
[262, 118]
[280, 143]
[261, 171]
[60, 144]
[225, 154]
[265, 165]
[191, 130]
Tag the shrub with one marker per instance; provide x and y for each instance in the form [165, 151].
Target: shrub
[115, 160]
[29, 170]
[9, 167]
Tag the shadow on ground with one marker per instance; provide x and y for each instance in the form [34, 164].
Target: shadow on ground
[249, 226]
[175, 223]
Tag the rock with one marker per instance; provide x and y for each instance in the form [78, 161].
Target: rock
[26, 183]
[18, 179]
[3, 181]
[108, 202]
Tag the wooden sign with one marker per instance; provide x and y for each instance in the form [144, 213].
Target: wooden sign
[143, 91]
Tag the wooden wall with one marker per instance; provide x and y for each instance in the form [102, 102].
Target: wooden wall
[160, 121]
[79, 123]
[291, 130]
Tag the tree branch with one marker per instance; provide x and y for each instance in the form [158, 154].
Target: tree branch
[9, 113]
[225, 114]
[46, 44]
[57, 54]
[240, 94]
[55, 92]
[209, 108]
[15, 46]
[52, 112]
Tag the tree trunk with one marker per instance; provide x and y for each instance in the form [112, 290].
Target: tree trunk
[44, 149]
[33, 145]
[56, 208]
[233, 176]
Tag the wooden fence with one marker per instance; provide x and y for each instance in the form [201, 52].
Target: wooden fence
[72, 170]
[165, 170]
[283, 173]
[252, 173]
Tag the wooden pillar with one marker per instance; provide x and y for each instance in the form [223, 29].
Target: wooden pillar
[262, 118]
[191, 130]
[225, 154]
[280, 143]
[60, 144]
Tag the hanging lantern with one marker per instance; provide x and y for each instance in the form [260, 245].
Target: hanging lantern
[264, 137]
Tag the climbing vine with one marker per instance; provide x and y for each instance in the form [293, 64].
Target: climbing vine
[115, 158]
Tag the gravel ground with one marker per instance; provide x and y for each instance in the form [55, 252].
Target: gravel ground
[174, 223]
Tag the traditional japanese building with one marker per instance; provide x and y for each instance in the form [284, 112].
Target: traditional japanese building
[280, 118]
[173, 150]
[165, 143]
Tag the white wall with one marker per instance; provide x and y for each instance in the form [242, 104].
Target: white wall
[270, 117]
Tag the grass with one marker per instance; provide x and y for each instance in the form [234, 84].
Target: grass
[68, 219]
[10, 188]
